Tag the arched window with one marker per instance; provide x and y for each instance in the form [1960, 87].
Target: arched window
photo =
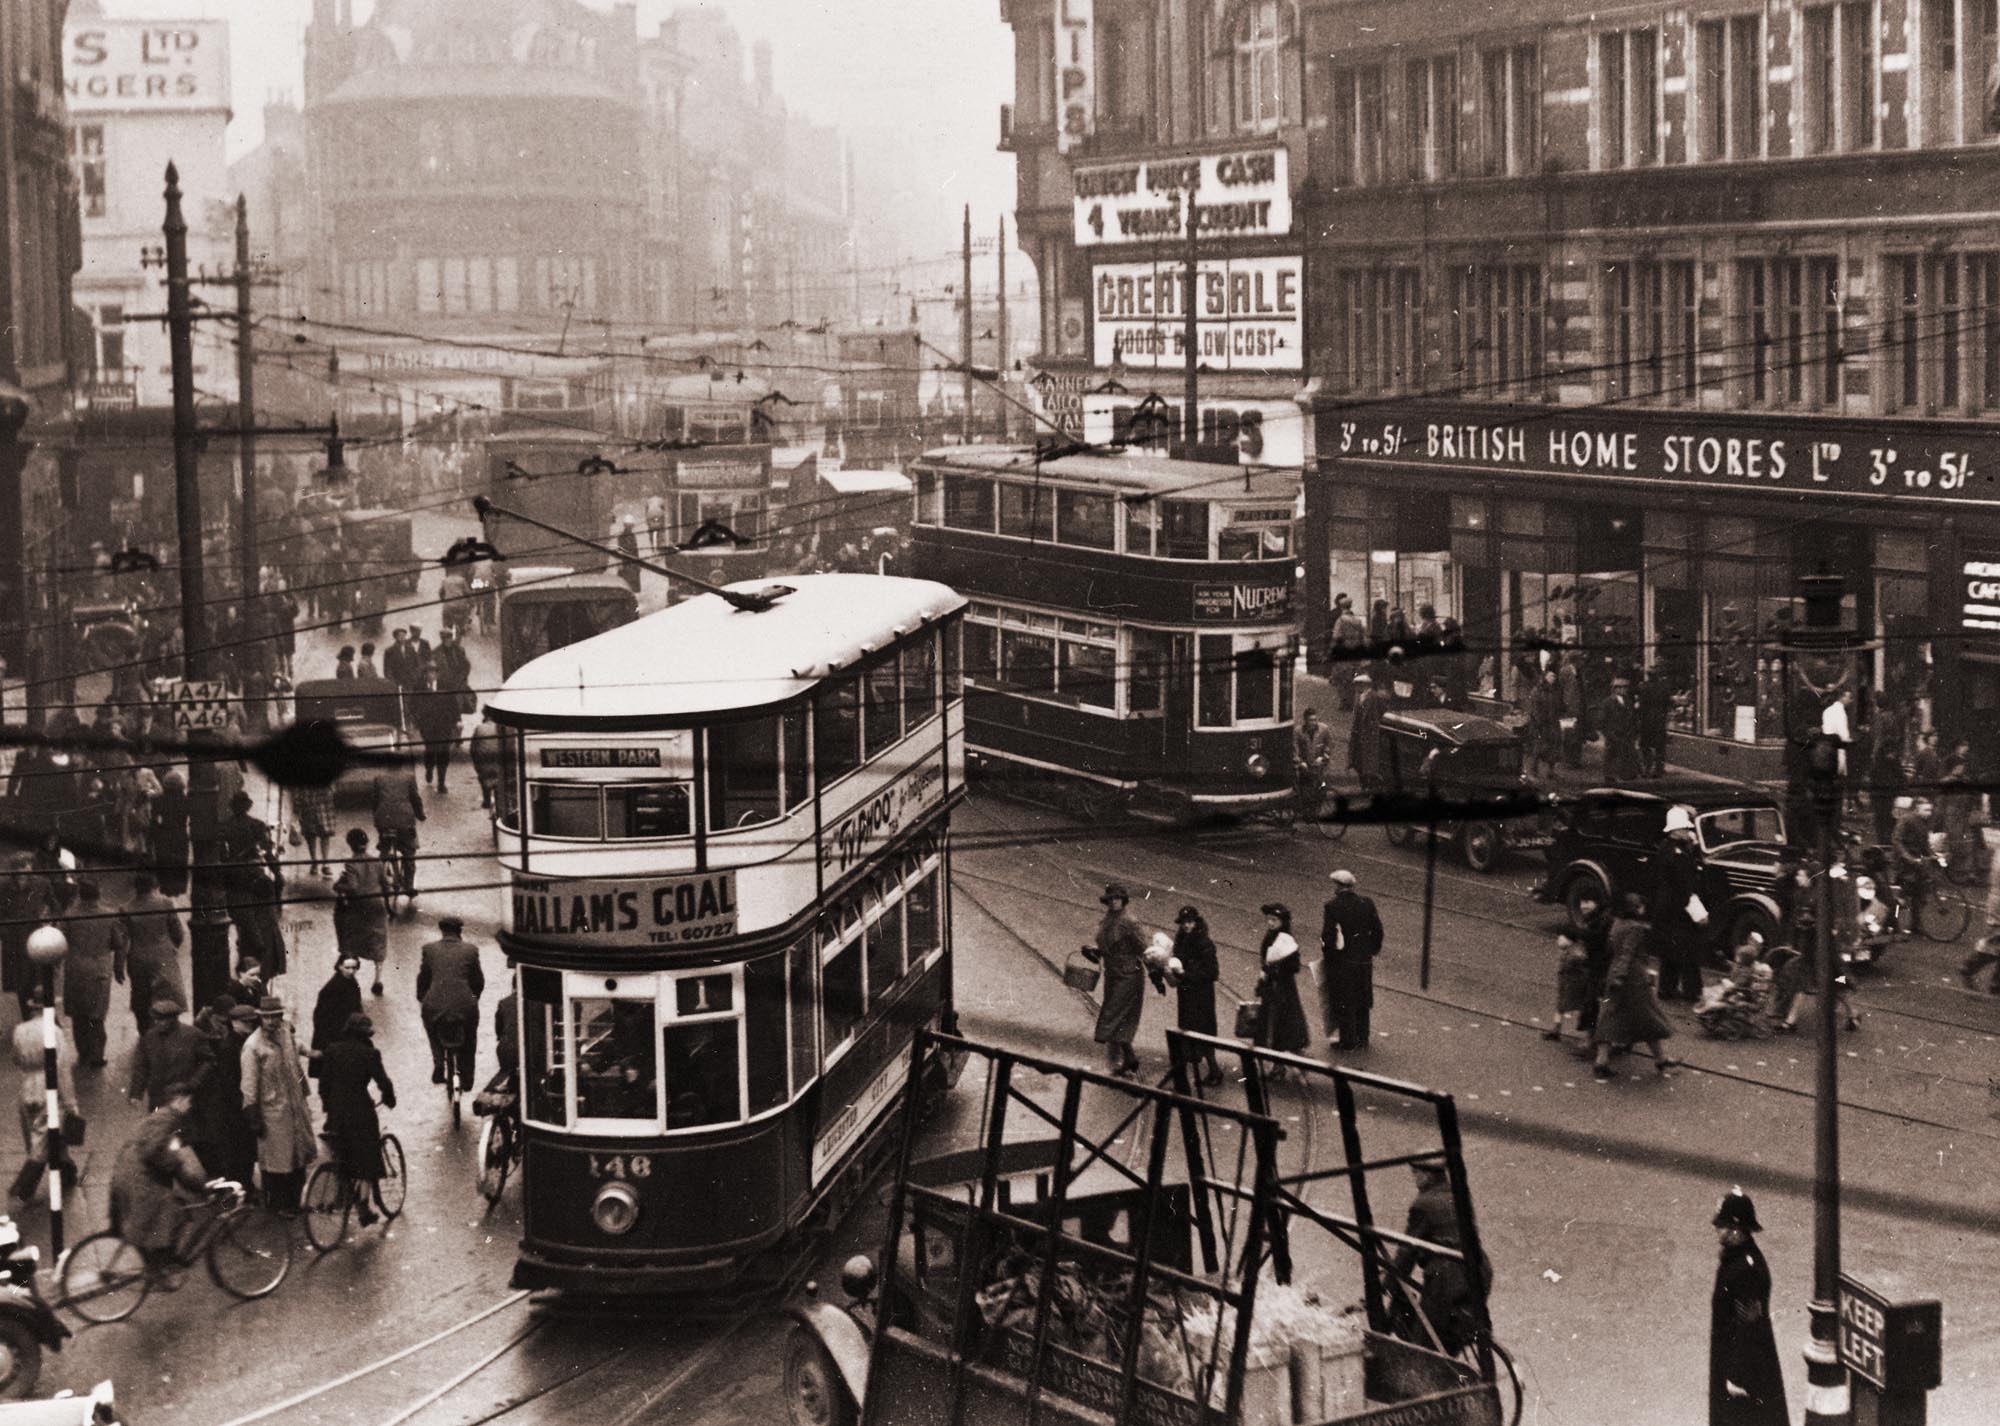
[1259, 36]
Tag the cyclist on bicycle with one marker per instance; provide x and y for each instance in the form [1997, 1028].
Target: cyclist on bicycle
[1911, 844]
[346, 1070]
[152, 1180]
[398, 809]
[1312, 743]
[1450, 1296]
[449, 983]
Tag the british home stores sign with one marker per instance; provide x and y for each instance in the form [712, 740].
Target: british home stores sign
[1245, 194]
[1879, 461]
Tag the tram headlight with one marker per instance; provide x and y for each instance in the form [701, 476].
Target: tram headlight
[1257, 765]
[615, 1209]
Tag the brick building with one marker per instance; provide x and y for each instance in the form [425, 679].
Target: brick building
[1619, 322]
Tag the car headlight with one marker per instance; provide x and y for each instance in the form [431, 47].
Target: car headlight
[1257, 765]
[615, 1209]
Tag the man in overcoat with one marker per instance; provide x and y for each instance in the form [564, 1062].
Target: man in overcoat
[1363, 734]
[1350, 939]
[274, 1102]
[154, 1168]
[1746, 1386]
[449, 984]
[1121, 949]
[1676, 933]
[170, 1053]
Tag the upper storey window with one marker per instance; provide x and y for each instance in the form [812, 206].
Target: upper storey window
[1729, 119]
[1250, 89]
[1627, 93]
[1510, 110]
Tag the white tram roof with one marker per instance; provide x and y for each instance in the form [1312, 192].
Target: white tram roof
[1130, 475]
[703, 657]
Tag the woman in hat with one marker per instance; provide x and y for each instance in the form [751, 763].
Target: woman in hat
[221, 1132]
[349, 1066]
[274, 1103]
[1121, 949]
[1193, 972]
[1746, 1386]
[361, 906]
[339, 1001]
[1629, 1014]
[1282, 1023]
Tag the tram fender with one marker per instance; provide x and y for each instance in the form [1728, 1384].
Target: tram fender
[843, 1338]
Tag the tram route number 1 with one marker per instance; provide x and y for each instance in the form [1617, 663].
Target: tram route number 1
[621, 1166]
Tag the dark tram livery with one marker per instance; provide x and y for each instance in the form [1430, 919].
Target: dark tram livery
[725, 833]
[1133, 623]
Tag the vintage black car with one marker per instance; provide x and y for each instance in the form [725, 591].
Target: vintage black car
[1454, 755]
[1605, 840]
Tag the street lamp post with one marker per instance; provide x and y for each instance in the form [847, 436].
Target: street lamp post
[46, 948]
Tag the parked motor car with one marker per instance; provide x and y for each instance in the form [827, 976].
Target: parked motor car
[367, 713]
[1605, 839]
[1422, 751]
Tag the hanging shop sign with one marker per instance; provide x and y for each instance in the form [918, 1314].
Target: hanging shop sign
[1058, 397]
[1889, 463]
[1246, 314]
[1076, 71]
[1979, 593]
[1246, 194]
[1264, 433]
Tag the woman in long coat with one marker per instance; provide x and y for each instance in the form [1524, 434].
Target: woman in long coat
[274, 1101]
[1282, 1025]
[1629, 1014]
[1121, 950]
[361, 910]
[339, 1001]
[96, 956]
[350, 1065]
[1194, 982]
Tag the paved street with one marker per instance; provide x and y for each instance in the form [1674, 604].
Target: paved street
[1593, 1199]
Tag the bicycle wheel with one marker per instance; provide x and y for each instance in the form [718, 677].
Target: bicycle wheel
[394, 1187]
[325, 1205]
[451, 1086]
[1326, 818]
[103, 1278]
[496, 1158]
[1942, 915]
[250, 1253]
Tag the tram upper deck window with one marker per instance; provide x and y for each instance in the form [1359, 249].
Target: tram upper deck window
[617, 1070]
[954, 660]
[920, 679]
[1027, 512]
[743, 767]
[968, 503]
[1256, 534]
[1184, 529]
[837, 728]
[882, 721]
[929, 507]
[635, 810]
[1086, 519]
[571, 810]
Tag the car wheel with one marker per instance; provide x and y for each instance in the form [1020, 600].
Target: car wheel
[1584, 884]
[1745, 920]
[1480, 844]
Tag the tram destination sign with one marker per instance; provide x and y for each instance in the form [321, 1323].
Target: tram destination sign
[1884, 461]
[600, 757]
[652, 911]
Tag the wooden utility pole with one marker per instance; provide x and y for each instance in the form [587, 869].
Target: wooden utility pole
[965, 325]
[209, 923]
[246, 415]
[1002, 363]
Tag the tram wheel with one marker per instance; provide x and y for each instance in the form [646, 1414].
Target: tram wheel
[815, 1395]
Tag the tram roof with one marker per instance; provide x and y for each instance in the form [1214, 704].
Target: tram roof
[1129, 474]
[703, 657]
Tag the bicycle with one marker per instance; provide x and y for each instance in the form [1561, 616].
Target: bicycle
[1936, 909]
[451, 1040]
[1318, 804]
[248, 1251]
[397, 850]
[499, 1137]
[332, 1193]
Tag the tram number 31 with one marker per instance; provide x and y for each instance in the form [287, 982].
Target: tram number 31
[621, 1166]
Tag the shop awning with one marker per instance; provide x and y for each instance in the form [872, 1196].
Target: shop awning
[867, 482]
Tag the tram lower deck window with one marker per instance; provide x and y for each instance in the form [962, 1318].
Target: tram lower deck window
[617, 1072]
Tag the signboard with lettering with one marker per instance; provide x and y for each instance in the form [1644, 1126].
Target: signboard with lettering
[1979, 593]
[121, 66]
[1076, 71]
[1903, 463]
[1058, 398]
[856, 1116]
[648, 911]
[600, 757]
[720, 475]
[1246, 313]
[1263, 432]
[1246, 194]
[1242, 602]
[1899, 1346]
[880, 817]
[195, 705]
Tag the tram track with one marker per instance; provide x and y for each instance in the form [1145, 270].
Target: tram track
[1928, 1078]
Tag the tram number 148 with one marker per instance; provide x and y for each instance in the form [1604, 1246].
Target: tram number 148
[621, 1166]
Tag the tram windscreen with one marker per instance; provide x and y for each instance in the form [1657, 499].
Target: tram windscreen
[617, 1071]
[702, 1086]
[647, 809]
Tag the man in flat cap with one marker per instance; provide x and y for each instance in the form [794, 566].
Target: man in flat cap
[1350, 938]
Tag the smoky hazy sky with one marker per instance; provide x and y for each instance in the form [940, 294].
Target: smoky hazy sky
[934, 70]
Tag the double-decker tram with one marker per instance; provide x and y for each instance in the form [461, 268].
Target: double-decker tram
[1133, 627]
[725, 835]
